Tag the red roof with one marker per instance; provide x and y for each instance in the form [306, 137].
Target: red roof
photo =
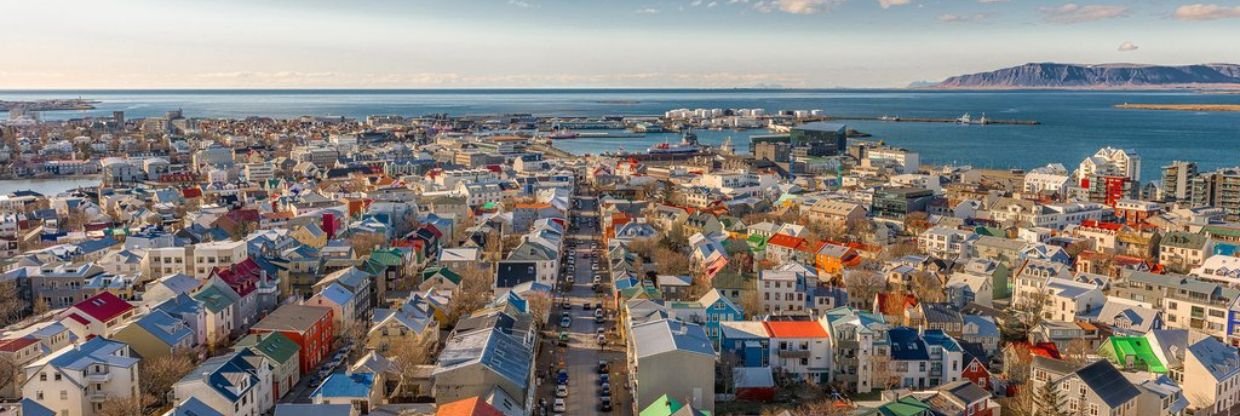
[1109, 226]
[241, 277]
[795, 329]
[785, 240]
[103, 306]
[191, 192]
[472, 406]
[14, 345]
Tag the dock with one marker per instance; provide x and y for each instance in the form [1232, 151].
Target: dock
[932, 120]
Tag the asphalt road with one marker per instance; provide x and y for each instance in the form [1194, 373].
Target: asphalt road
[583, 352]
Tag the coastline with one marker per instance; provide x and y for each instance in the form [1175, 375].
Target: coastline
[1217, 108]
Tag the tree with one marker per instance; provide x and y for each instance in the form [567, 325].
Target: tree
[1049, 401]
[751, 302]
[540, 306]
[8, 373]
[159, 374]
[120, 406]
[474, 293]
[364, 243]
[644, 247]
[12, 306]
[822, 407]
[408, 355]
[864, 284]
[671, 262]
[40, 306]
[1077, 352]
[928, 287]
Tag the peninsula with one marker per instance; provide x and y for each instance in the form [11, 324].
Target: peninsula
[1181, 107]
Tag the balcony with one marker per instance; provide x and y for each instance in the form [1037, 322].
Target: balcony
[97, 397]
[100, 377]
[793, 353]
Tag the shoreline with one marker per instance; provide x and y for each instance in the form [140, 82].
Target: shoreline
[1217, 108]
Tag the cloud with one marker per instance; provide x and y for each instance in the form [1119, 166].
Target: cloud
[520, 3]
[1199, 12]
[963, 18]
[1128, 46]
[887, 4]
[797, 6]
[647, 10]
[1075, 13]
[991, 1]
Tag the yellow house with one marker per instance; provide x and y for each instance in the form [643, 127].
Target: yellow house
[413, 323]
[310, 234]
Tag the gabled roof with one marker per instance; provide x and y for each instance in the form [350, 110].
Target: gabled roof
[1219, 359]
[165, 327]
[907, 344]
[346, 385]
[1108, 383]
[470, 406]
[193, 407]
[292, 318]
[795, 329]
[213, 298]
[664, 336]
[103, 306]
[272, 345]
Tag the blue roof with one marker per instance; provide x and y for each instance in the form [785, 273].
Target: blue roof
[91, 246]
[940, 338]
[168, 329]
[95, 350]
[194, 407]
[335, 292]
[307, 409]
[346, 385]
[32, 408]
[906, 344]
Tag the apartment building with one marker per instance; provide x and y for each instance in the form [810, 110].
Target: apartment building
[76, 380]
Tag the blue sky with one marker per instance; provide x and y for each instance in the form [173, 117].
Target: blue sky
[587, 43]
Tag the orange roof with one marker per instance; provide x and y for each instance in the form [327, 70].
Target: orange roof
[471, 406]
[795, 329]
[910, 300]
[784, 240]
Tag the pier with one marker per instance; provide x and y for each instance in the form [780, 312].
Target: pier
[932, 120]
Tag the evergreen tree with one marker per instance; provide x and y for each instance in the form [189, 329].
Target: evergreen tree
[1050, 401]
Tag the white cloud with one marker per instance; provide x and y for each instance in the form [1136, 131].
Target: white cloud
[797, 6]
[1075, 13]
[886, 4]
[520, 3]
[1128, 46]
[648, 10]
[991, 1]
[1206, 12]
[963, 18]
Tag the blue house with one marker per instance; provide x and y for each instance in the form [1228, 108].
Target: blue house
[747, 342]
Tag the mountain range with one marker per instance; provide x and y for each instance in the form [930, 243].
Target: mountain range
[1057, 75]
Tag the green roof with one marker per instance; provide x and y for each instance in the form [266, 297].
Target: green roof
[213, 298]
[387, 256]
[447, 273]
[665, 406]
[489, 205]
[273, 345]
[906, 406]
[1221, 230]
[1119, 348]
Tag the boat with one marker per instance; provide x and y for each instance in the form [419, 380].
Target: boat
[983, 121]
[965, 119]
[562, 134]
[889, 118]
[688, 144]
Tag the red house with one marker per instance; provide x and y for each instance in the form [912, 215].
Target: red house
[309, 326]
[97, 315]
[975, 371]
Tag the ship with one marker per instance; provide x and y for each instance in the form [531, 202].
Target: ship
[562, 134]
[688, 144]
[967, 119]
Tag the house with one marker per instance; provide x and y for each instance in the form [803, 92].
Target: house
[219, 307]
[836, 214]
[745, 343]
[755, 384]
[208, 256]
[671, 358]
[413, 323]
[920, 359]
[1132, 353]
[168, 287]
[237, 383]
[98, 315]
[281, 353]
[853, 334]
[965, 288]
[782, 292]
[355, 389]
[665, 405]
[783, 248]
[342, 303]
[77, 379]
[192, 407]
[157, 334]
[1211, 376]
[18, 351]
[1097, 388]
[308, 326]
[1129, 317]
[801, 349]
[475, 362]
[832, 259]
[440, 278]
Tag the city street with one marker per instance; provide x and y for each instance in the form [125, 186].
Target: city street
[582, 354]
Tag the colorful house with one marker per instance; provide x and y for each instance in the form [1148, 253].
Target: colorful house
[308, 326]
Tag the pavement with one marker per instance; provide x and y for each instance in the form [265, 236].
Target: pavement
[583, 352]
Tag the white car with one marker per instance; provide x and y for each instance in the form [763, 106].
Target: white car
[561, 391]
[559, 406]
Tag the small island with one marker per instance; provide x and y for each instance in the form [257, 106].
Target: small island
[1181, 107]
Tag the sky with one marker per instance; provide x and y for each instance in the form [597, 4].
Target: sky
[80, 44]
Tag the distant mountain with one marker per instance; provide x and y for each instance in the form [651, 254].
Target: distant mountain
[1053, 75]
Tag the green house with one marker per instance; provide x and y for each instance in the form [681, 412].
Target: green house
[1132, 353]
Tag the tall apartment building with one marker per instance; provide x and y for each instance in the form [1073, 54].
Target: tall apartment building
[76, 380]
[217, 253]
[1218, 189]
[1177, 181]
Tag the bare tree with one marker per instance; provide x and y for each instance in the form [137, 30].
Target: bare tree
[474, 293]
[671, 262]
[823, 407]
[9, 370]
[540, 306]
[1077, 352]
[864, 284]
[40, 306]
[928, 287]
[159, 374]
[365, 243]
[120, 406]
[408, 355]
[751, 303]
[12, 306]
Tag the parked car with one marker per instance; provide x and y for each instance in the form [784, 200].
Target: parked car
[602, 366]
[566, 321]
[604, 404]
[561, 390]
[559, 406]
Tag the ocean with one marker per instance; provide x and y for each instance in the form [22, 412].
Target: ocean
[1074, 124]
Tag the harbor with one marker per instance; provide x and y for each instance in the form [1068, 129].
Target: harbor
[965, 119]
